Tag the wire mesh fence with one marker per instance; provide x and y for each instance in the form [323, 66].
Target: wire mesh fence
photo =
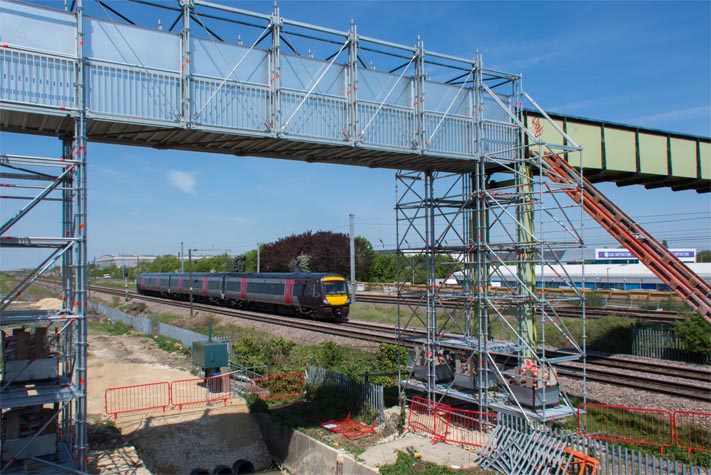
[365, 393]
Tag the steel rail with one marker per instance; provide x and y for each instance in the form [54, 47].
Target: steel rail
[562, 311]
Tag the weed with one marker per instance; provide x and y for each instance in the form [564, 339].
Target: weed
[407, 464]
[170, 345]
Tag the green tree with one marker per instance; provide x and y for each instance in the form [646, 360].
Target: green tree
[166, 263]
[694, 331]
[328, 251]
[364, 258]
[382, 269]
[250, 261]
[703, 256]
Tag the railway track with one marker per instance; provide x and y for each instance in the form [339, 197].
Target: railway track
[691, 384]
[361, 332]
[647, 383]
[564, 311]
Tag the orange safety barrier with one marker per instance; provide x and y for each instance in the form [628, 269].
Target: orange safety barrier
[692, 430]
[428, 418]
[139, 397]
[468, 427]
[278, 386]
[626, 424]
[200, 390]
[582, 463]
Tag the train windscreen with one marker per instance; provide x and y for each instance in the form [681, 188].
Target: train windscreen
[335, 287]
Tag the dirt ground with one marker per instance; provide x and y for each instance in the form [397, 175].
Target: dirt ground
[174, 442]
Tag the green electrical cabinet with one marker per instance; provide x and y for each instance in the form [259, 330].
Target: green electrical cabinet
[210, 354]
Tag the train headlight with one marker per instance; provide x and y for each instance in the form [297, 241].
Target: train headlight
[325, 301]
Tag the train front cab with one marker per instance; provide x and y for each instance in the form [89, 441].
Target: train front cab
[336, 298]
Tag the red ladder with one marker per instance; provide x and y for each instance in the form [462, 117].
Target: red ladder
[665, 265]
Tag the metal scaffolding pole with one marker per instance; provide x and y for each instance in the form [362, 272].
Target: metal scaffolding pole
[52, 342]
[485, 226]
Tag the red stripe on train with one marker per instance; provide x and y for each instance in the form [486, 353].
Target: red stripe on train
[288, 292]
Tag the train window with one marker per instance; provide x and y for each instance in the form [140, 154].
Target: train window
[233, 286]
[214, 284]
[299, 289]
[331, 287]
[277, 289]
[312, 290]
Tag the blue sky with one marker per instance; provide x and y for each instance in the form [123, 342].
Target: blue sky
[638, 63]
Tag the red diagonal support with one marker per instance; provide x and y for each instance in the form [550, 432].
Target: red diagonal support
[665, 265]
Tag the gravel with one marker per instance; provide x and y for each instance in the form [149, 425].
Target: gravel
[617, 396]
[602, 393]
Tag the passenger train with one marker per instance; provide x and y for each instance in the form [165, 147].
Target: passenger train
[314, 295]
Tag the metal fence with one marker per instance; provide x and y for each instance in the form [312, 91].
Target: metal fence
[444, 423]
[147, 326]
[200, 390]
[692, 430]
[430, 419]
[365, 393]
[140, 324]
[427, 418]
[139, 397]
[161, 395]
[635, 425]
[661, 342]
[618, 460]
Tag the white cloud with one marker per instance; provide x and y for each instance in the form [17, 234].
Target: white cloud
[662, 119]
[181, 180]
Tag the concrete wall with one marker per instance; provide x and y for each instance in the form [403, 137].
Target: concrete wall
[301, 454]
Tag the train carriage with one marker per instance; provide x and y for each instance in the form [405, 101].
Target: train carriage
[313, 295]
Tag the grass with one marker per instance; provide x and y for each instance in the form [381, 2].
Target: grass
[168, 318]
[409, 463]
[6, 283]
[113, 329]
[610, 334]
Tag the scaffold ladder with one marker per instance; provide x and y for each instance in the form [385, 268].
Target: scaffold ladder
[655, 256]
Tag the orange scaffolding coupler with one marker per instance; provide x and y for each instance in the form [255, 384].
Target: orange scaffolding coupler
[657, 258]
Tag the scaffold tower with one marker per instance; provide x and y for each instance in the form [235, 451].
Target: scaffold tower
[491, 228]
[44, 350]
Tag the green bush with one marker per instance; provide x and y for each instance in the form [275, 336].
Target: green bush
[610, 334]
[170, 345]
[331, 355]
[274, 353]
[695, 334]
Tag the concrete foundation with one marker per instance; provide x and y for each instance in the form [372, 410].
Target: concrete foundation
[303, 455]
